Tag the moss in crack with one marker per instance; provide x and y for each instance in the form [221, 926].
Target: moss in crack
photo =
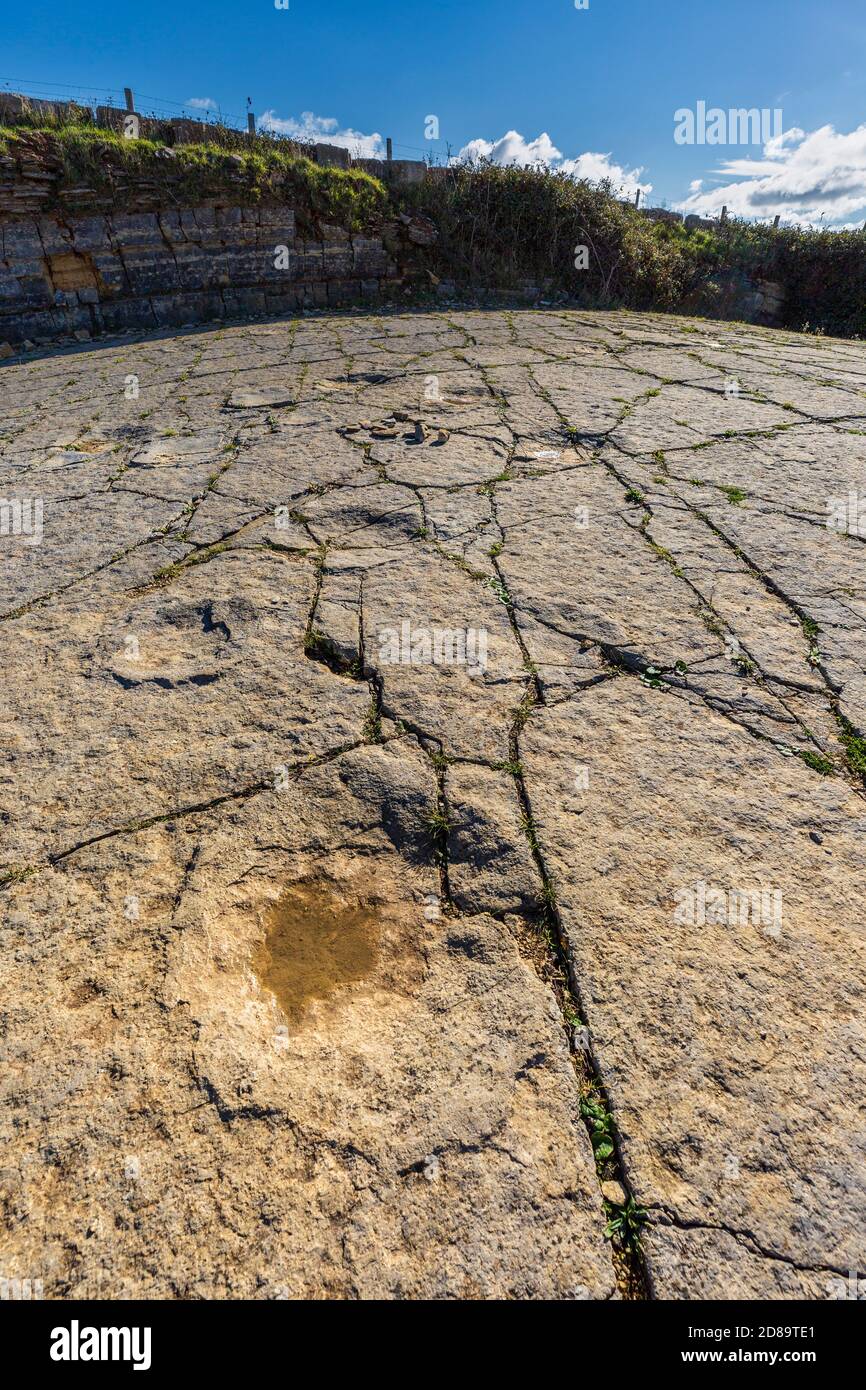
[735, 495]
[817, 762]
[169, 572]
[512, 766]
[712, 622]
[811, 631]
[666, 555]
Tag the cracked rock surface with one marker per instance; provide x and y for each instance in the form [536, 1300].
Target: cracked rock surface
[422, 735]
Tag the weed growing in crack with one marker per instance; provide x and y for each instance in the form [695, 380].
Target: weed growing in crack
[522, 713]
[372, 728]
[571, 1016]
[651, 676]
[548, 896]
[527, 825]
[439, 822]
[625, 1223]
[599, 1122]
[499, 590]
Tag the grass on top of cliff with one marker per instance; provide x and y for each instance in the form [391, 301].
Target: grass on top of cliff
[83, 157]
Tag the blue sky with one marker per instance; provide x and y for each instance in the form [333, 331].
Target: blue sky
[603, 82]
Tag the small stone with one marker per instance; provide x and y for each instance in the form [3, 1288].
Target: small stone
[442, 436]
[615, 1193]
[6, 350]
[813, 835]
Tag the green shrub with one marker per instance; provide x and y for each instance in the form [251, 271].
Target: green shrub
[500, 226]
[503, 225]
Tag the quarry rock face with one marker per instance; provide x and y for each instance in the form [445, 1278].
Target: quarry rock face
[107, 271]
[433, 810]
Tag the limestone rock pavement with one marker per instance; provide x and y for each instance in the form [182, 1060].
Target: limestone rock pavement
[563, 692]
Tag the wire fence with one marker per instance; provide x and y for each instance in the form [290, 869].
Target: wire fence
[212, 115]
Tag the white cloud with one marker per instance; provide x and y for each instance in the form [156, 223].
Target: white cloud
[324, 129]
[803, 177]
[202, 103]
[596, 167]
[512, 148]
